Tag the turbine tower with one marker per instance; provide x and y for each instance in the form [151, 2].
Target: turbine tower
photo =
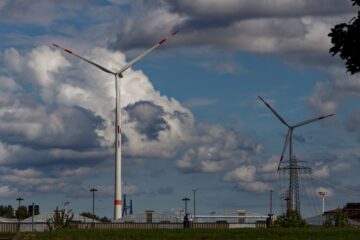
[294, 201]
[117, 75]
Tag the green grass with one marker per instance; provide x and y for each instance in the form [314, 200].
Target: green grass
[194, 234]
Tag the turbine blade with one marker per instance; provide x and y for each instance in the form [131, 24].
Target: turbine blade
[141, 56]
[312, 120]
[287, 138]
[276, 114]
[84, 59]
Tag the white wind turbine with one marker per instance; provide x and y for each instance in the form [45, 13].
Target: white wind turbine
[117, 75]
[293, 183]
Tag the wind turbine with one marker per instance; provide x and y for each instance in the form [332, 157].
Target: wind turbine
[117, 75]
[293, 185]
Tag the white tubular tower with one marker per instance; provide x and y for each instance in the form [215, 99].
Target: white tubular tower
[118, 75]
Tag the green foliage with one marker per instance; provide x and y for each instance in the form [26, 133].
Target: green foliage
[345, 38]
[291, 219]
[337, 219]
[22, 213]
[62, 219]
[105, 219]
[6, 211]
[198, 234]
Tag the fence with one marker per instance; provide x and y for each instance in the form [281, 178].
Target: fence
[40, 227]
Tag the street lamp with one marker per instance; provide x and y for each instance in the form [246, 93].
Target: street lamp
[194, 190]
[93, 190]
[185, 199]
[322, 194]
[19, 199]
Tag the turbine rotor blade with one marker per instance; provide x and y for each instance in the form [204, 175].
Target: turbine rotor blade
[84, 59]
[312, 120]
[276, 114]
[141, 56]
[287, 138]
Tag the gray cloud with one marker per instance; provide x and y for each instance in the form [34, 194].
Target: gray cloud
[148, 117]
[165, 190]
[215, 14]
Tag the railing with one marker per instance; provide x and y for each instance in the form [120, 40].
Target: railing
[40, 227]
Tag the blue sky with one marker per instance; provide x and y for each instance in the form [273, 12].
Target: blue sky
[191, 112]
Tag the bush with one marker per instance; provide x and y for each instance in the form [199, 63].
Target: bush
[290, 219]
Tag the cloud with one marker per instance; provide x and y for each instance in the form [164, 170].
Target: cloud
[246, 173]
[321, 172]
[352, 123]
[213, 148]
[148, 118]
[329, 96]
[67, 121]
[256, 186]
[165, 190]
[271, 164]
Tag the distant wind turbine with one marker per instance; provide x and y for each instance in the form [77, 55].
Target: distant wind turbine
[293, 185]
[117, 75]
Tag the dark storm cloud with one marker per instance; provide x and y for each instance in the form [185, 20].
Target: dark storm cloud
[205, 14]
[148, 117]
[67, 127]
[40, 12]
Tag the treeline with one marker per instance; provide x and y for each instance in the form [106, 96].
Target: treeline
[7, 211]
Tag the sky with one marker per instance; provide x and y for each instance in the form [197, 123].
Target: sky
[191, 115]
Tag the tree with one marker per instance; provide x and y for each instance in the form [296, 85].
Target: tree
[345, 38]
[6, 211]
[290, 219]
[62, 219]
[337, 219]
[22, 213]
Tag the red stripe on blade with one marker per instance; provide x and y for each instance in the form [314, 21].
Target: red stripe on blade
[117, 202]
[162, 41]
[174, 33]
[55, 45]
[67, 50]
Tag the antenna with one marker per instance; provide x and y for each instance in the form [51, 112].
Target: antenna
[117, 75]
[293, 168]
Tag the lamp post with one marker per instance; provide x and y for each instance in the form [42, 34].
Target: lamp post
[194, 191]
[322, 194]
[18, 211]
[19, 199]
[185, 199]
[93, 190]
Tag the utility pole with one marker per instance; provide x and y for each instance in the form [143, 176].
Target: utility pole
[194, 190]
[32, 217]
[269, 220]
[322, 194]
[271, 203]
[93, 190]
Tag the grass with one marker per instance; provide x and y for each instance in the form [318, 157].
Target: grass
[194, 234]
